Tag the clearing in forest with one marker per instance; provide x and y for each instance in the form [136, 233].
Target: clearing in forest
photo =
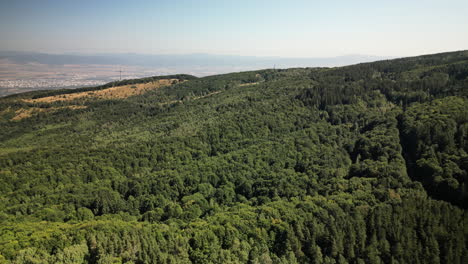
[123, 91]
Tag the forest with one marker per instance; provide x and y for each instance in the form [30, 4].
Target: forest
[359, 164]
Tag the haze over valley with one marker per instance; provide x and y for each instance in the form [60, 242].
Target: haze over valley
[28, 71]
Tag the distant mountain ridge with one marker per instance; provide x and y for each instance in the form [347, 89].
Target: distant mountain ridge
[185, 60]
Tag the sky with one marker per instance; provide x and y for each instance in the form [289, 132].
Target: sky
[287, 28]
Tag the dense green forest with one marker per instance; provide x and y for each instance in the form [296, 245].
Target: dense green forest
[360, 164]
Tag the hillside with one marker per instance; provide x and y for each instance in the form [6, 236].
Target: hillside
[360, 164]
[30, 71]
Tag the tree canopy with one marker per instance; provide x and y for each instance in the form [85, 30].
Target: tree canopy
[360, 164]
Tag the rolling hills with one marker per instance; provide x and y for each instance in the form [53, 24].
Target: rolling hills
[359, 164]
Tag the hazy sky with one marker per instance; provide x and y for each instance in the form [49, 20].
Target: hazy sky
[285, 28]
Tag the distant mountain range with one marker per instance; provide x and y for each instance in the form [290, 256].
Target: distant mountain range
[185, 60]
[27, 71]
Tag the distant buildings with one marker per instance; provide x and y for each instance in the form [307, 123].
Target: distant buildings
[49, 83]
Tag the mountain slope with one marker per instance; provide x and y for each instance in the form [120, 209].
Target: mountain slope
[358, 164]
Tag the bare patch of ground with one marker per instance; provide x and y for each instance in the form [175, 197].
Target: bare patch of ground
[247, 84]
[109, 93]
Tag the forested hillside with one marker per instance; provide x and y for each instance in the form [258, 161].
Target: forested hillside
[359, 164]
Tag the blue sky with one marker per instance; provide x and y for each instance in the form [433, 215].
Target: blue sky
[286, 28]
